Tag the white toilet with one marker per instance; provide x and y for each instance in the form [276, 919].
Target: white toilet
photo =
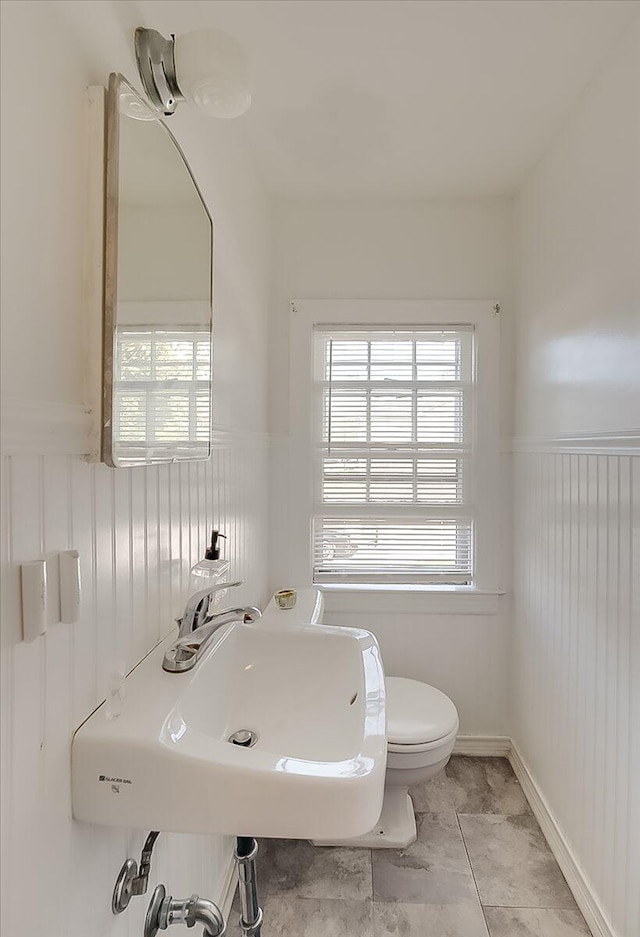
[422, 724]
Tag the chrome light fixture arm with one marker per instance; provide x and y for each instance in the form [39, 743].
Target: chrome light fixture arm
[157, 68]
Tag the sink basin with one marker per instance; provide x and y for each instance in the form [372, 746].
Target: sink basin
[312, 695]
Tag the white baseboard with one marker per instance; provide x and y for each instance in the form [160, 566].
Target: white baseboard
[485, 745]
[566, 858]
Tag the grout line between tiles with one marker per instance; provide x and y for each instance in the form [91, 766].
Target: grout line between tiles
[373, 894]
[473, 874]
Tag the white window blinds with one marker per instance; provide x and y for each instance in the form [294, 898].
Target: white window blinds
[394, 428]
[162, 386]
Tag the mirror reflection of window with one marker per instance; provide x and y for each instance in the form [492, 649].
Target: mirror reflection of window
[162, 384]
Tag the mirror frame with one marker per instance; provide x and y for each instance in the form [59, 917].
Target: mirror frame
[117, 82]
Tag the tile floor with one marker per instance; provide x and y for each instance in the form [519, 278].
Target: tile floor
[479, 868]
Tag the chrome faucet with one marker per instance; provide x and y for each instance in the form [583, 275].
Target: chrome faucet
[191, 643]
[197, 607]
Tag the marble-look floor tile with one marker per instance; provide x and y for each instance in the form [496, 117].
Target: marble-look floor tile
[433, 870]
[512, 863]
[420, 920]
[472, 785]
[297, 869]
[438, 795]
[535, 922]
[311, 917]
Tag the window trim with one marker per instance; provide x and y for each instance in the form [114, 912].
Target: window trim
[308, 314]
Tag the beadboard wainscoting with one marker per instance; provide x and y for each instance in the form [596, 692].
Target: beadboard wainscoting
[138, 531]
[575, 686]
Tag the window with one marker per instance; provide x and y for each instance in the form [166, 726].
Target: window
[163, 391]
[392, 474]
[393, 431]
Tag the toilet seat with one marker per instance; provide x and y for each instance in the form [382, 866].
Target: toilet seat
[419, 717]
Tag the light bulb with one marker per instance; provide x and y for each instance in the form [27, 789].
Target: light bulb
[211, 70]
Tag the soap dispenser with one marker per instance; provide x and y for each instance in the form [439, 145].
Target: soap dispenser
[210, 570]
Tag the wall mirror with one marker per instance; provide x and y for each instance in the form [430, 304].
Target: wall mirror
[157, 339]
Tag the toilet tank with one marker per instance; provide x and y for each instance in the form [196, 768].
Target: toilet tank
[309, 608]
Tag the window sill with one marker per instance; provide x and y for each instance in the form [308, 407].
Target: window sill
[432, 589]
[391, 598]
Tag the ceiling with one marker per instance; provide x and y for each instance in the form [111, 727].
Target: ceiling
[406, 98]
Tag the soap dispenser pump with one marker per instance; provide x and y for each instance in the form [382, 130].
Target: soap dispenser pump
[209, 571]
[213, 551]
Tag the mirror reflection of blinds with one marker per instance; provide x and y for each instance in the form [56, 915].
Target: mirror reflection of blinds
[394, 455]
[162, 387]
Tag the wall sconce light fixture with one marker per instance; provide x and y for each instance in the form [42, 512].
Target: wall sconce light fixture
[208, 67]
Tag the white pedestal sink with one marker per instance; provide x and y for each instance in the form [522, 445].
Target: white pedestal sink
[314, 697]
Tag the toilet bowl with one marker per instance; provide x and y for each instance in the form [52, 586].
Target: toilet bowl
[422, 724]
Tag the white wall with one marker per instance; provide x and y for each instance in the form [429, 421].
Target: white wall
[578, 266]
[137, 530]
[385, 250]
[400, 250]
[576, 650]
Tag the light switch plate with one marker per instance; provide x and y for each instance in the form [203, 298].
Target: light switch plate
[70, 591]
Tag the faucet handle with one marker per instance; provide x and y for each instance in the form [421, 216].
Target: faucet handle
[226, 585]
[196, 597]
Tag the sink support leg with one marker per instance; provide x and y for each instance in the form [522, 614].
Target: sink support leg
[245, 855]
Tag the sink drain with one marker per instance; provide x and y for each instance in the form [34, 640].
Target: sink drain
[245, 738]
